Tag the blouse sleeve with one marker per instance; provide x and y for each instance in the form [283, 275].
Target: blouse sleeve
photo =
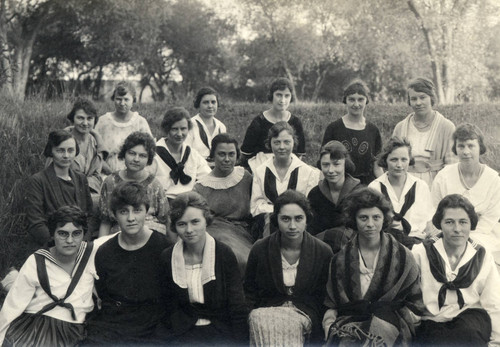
[35, 211]
[490, 298]
[250, 142]
[258, 202]
[299, 131]
[331, 313]
[250, 280]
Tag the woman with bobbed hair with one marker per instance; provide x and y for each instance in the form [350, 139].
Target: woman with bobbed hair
[254, 150]
[428, 132]
[178, 165]
[373, 285]
[204, 125]
[285, 278]
[477, 182]
[461, 281]
[201, 281]
[137, 152]
[409, 195]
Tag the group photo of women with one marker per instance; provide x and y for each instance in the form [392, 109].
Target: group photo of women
[195, 239]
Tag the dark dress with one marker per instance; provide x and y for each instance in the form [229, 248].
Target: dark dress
[363, 146]
[130, 290]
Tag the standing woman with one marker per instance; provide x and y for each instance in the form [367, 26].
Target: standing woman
[202, 284]
[253, 148]
[374, 280]
[427, 130]
[361, 137]
[285, 278]
[205, 125]
[410, 196]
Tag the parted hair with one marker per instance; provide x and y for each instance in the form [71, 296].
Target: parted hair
[366, 198]
[128, 194]
[188, 199]
[455, 201]
[391, 145]
[337, 151]
[64, 215]
[56, 137]
[201, 93]
[87, 106]
[224, 138]
[122, 88]
[422, 85]
[468, 131]
[139, 138]
[174, 115]
[288, 197]
[276, 130]
[356, 87]
[280, 83]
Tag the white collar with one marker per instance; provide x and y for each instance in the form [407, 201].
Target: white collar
[229, 181]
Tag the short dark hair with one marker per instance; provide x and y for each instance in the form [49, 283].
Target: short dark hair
[422, 85]
[56, 137]
[366, 198]
[337, 150]
[276, 130]
[64, 215]
[280, 84]
[174, 115]
[123, 88]
[291, 197]
[455, 201]
[128, 193]
[394, 143]
[188, 199]
[356, 87]
[224, 138]
[87, 106]
[201, 93]
[139, 138]
[468, 131]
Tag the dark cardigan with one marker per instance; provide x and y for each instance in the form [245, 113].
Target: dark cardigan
[224, 305]
[264, 285]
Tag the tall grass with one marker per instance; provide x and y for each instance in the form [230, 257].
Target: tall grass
[24, 128]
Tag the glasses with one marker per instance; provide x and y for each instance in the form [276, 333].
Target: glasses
[65, 234]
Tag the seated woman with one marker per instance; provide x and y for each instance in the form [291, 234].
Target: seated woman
[328, 196]
[409, 195]
[374, 281]
[52, 294]
[284, 170]
[227, 190]
[477, 182]
[128, 274]
[137, 152]
[285, 278]
[178, 166]
[460, 281]
[254, 150]
[202, 284]
[204, 125]
[55, 186]
[361, 137]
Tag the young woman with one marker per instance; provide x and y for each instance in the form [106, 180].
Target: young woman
[114, 127]
[410, 196]
[204, 125]
[374, 280]
[52, 294]
[178, 166]
[460, 281]
[202, 284]
[427, 130]
[284, 170]
[227, 190]
[478, 182]
[55, 186]
[253, 147]
[285, 278]
[137, 152]
[361, 137]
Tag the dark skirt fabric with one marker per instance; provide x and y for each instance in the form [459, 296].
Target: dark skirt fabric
[202, 336]
[39, 330]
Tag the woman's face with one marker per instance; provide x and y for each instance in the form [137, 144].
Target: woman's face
[224, 159]
[178, 132]
[398, 161]
[64, 154]
[468, 151]
[208, 106]
[456, 227]
[282, 145]
[281, 99]
[136, 158]
[356, 104]
[333, 169]
[192, 226]
[67, 239]
[123, 103]
[83, 122]
[420, 102]
[369, 223]
[292, 222]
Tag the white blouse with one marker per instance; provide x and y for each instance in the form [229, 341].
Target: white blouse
[194, 140]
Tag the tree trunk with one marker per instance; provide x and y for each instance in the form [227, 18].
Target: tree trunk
[319, 83]
[97, 86]
[5, 66]
[290, 77]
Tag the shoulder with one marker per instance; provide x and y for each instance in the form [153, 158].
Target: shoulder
[107, 248]
[448, 169]
[260, 245]
[336, 124]
[258, 120]
[223, 251]
[324, 251]
[166, 255]
[314, 192]
[399, 125]
[445, 123]
[294, 120]
[159, 241]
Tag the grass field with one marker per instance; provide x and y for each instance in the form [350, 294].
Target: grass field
[24, 128]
